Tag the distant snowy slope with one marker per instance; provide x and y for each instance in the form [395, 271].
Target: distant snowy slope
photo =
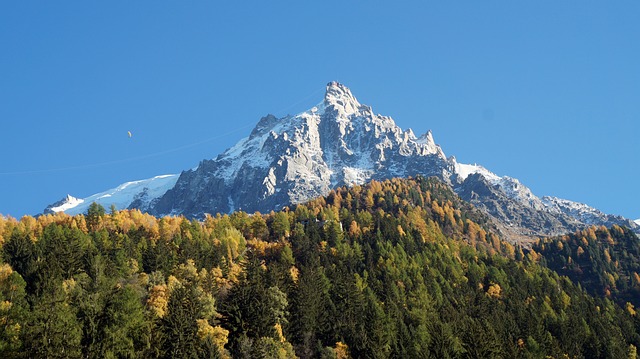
[136, 194]
[585, 213]
[638, 221]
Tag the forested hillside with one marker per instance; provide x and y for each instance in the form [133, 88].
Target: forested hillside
[604, 261]
[400, 268]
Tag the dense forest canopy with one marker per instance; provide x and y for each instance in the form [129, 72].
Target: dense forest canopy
[401, 268]
[605, 261]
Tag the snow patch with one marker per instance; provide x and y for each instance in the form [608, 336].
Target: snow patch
[516, 190]
[270, 183]
[67, 203]
[464, 171]
[428, 144]
[316, 110]
[509, 186]
[247, 150]
[356, 176]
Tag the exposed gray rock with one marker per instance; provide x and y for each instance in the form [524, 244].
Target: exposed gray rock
[585, 214]
[522, 217]
[293, 159]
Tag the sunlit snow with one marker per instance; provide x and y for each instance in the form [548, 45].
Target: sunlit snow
[122, 196]
[464, 171]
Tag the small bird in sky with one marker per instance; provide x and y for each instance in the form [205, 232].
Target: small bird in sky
[129, 133]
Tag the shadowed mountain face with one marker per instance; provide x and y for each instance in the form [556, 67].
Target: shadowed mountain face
[293, 159]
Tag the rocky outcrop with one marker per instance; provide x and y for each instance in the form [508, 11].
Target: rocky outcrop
[521, 217]
[293, 159]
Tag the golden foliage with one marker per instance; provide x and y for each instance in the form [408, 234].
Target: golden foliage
[218, 334]
[438, 210]
[354, 229]
[279, 333]
[234, 272]
[295, 273]
[342, 351]
[533, 255]
[630, 309]
[158, 300]
[68, 285]
[5, 272]
[494, 291]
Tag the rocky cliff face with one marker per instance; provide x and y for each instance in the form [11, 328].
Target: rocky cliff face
[524, 215]
[586, 214]
[290, 160]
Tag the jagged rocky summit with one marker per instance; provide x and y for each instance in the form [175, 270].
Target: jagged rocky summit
[290, 160]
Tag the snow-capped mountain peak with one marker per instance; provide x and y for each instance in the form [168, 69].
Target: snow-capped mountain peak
[426, 138]
[339, 97]
[428, 144]
[295, 158]
[64, 204]
[340, 141]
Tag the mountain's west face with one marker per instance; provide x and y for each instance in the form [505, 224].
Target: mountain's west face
[290, 160]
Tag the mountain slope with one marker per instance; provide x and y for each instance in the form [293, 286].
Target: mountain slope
[393, 269]
[605, 262]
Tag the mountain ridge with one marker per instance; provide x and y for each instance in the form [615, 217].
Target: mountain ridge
[340, 141]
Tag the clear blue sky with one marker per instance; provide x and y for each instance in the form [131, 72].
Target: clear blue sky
[544, 91]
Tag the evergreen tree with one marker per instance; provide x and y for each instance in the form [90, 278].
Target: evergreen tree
[95, 213]
[52, 330]
[179, 324]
